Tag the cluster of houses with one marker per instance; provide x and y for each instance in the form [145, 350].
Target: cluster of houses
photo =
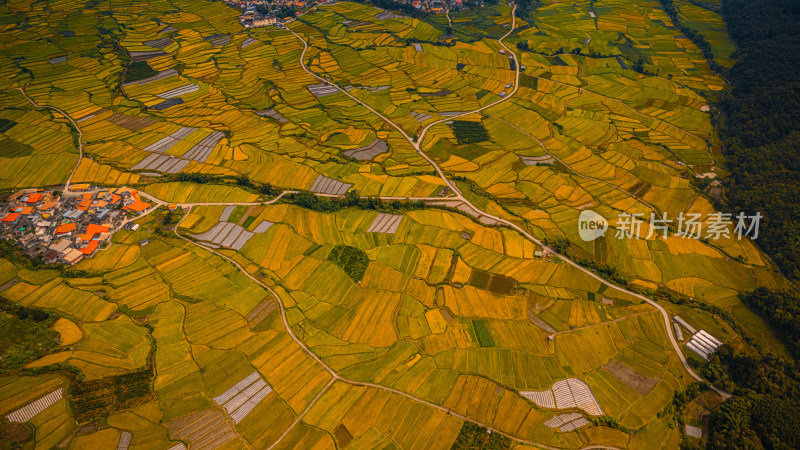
[67, 228]
[436, 6]
[261, 13]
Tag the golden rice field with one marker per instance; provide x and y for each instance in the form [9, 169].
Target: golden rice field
[451, 318]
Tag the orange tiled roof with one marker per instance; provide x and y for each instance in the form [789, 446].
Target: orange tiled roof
[33, 198]
[138, 205]
[91, 230]
[47, 205]
[11, 217]
[96, 229]
[90, 248]
[27, 210]
[65, 228]
[86, 202]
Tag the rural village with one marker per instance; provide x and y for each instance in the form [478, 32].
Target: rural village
[67, 227]
[262, 13]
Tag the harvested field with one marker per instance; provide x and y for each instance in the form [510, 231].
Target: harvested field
[325, 185]
[218, 40]
[466, 209]
[202, 150]
[164, 144]
[9, 283]
[262, 227]
[159, 76]
[385, 223]
[133, 123]
[226, 234]
[274, 114]
[226, 213]
[321, 90]
[230, 235]
[343, 437]
[536, 160]
[89, 116]
[421, 117]
[501, 285]
[30, 410]
[694, 432]
[124, 440]
[260, 312]
[161, 163]
[447, 315]
[634, 380]
[544, 399]
[565, 394]
[167, 103]
[158, 43]
[539, 322]
[248, 42]
[240, 399]
[574, 393]
[567, 422]
[385, 15]
[180, 446]
[187, 89]
[375, 148]
[418, 47]
[439, 93]
[57, 60]
[144, 56]
[205, 429]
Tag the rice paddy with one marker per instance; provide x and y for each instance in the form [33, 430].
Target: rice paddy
[379, 327]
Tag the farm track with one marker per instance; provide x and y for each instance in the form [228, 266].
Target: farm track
[74, 124]
[519, 229]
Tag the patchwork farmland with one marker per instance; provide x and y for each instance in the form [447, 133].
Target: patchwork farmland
[429, 285]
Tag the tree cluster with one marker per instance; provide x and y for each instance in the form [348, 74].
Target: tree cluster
[350, 200]
[352, 260]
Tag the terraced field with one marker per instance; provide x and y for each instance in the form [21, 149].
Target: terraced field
[246, 319]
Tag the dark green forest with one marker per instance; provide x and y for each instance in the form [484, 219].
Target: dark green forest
[759, 127]
[765, 406]
[761, 122]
